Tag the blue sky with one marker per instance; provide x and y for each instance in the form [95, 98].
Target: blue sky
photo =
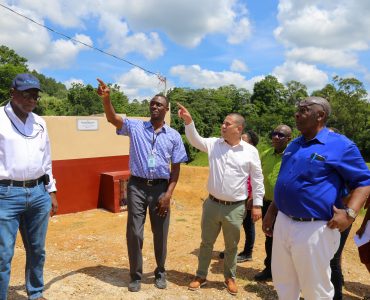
[193, 43]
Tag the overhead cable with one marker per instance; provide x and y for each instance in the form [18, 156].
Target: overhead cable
[160, 77]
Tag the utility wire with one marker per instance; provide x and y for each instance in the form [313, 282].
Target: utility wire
[160, 77]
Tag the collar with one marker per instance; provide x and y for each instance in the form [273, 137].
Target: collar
[321, 137]
[221, 140]
[10, 112]
[148, 124]
[278, 154]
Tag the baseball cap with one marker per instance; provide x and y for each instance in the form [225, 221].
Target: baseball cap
[25, 81]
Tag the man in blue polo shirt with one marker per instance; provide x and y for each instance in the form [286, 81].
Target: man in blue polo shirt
[154, 146]
[315, 169]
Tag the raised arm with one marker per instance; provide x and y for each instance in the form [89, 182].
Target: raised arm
[104, 92]
[184, 114]
[190, 131]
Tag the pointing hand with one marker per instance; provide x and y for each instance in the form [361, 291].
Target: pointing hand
[184, 114]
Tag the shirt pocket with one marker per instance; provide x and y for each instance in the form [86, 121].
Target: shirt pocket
[314, 170]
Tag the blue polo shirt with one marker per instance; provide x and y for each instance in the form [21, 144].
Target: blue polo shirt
[166, 146]
[314, 174]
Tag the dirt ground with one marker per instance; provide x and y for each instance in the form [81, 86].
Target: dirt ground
[87, 256]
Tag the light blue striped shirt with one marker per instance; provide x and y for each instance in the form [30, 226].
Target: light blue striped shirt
[167, 147]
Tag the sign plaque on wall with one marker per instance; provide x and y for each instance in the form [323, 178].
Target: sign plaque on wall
[87, 124]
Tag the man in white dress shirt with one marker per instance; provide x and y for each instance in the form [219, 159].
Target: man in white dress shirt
[231, 162]
[27, 186]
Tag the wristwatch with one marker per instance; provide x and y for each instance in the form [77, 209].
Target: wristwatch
[351, 212]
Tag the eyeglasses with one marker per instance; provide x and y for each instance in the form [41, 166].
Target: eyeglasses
[303, 109]
[280, 135]
[303, 106]
[28, 95]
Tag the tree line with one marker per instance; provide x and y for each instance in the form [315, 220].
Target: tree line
[269, 104]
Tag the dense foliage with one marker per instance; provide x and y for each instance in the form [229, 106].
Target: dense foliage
[271, 103]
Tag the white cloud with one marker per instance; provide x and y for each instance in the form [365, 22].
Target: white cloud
[202, 78]
[324, 24]
[239, 32]
[185, 22]
[68, 83]
[238, 66]
[60, 54]
[367, 82]
[34, 42]
[136, 84]
[67, 13]
[308, 75]
[328, 32]
[331, 57]
[121, 42]
[126, 26]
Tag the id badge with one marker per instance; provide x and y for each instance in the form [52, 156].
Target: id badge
[151, 161]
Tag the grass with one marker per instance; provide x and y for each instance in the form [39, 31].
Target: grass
[201, 160]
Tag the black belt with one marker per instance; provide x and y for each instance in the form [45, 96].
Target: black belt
[304, 219]
[27, 183]
[224, 202]
[149, 182]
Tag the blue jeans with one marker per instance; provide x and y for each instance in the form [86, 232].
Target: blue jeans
[26, 209]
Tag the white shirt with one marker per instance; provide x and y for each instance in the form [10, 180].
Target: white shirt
[24, 158]
[230, 167]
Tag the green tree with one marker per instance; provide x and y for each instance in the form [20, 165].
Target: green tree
[267, 93]
[51, 106]
[83, 100]
[272, 104]
[11, 64]
[9, 56]
[50, 86]
[350, 110]
[295, 91]
[137, 108]
[119, 99]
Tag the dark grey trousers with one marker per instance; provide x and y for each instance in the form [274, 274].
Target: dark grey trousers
[141, 197]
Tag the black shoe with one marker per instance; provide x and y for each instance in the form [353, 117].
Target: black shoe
[242, 257]
[134, 286]
[160, 282]
[221, 255]
[264, 275]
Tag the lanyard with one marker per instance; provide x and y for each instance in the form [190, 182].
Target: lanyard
[26, 136]
[154, 139]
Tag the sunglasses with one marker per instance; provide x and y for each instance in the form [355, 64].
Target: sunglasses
[280, 135]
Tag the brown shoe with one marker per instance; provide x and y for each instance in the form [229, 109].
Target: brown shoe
[197, 283]
[231, 286]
